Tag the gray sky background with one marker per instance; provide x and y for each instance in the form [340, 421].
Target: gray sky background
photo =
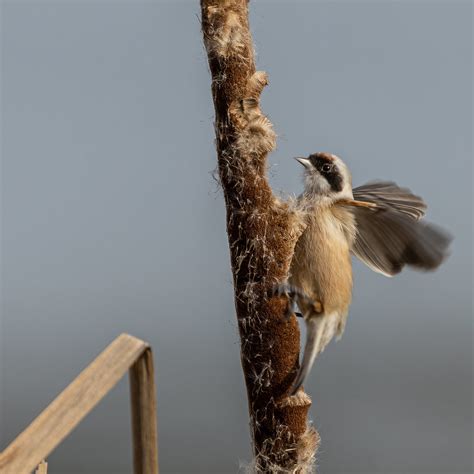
[112, 222]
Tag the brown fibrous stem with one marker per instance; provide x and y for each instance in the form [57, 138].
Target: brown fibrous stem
[262, 233]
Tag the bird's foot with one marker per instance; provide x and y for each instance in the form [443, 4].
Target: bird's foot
[288, 291]
[296, 297]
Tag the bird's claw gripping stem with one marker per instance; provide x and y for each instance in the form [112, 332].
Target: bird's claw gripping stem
[296, 297]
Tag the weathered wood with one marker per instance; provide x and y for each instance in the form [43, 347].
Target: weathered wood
[42, 468]
[50, 428]
[143, 405]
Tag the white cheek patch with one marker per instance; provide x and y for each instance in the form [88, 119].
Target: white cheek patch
[316, 183]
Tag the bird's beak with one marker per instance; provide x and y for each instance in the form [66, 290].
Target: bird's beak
[304, 161]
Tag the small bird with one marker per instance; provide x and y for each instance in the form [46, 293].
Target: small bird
[378, 222]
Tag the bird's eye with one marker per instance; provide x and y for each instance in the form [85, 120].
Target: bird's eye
[326, 168]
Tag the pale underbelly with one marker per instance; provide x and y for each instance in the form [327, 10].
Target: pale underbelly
[322, 269]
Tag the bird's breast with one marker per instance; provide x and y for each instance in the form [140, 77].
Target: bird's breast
[321, 265]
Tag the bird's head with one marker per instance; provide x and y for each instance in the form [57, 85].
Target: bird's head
[326, 176]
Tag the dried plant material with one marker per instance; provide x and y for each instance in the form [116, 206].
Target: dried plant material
[262, 232]
[42, 468]
[68, 409]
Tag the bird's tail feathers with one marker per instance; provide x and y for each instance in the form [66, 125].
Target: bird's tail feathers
[319, 332]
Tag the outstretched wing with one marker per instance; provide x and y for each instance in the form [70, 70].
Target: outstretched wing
[387, 194]
[391, 235]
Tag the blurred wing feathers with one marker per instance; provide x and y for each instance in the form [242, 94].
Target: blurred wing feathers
[391, 236]
[388, 195]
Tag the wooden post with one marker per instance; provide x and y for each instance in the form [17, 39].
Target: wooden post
[143, 401]
[56, 421]
[42, 468]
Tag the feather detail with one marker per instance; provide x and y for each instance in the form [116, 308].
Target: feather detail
[386, 194]
[319, 332]
[387, 240]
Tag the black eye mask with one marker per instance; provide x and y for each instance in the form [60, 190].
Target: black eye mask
[333, 177]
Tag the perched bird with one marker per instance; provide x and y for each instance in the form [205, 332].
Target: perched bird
[378, 222]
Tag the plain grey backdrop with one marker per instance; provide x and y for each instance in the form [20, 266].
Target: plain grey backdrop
[112, 222]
